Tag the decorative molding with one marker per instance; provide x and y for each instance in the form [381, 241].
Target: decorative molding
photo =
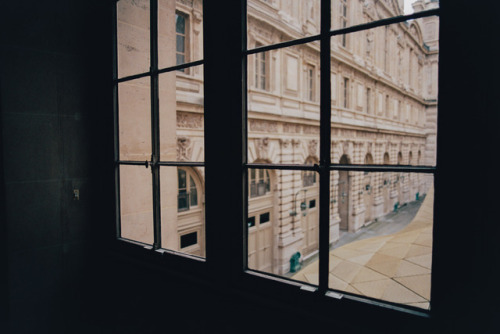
[262, 148]
[184, 149]
[309, 129]
[295, 142]
[312, 147]
[263, 126]
[284, 142]
[188, 3]
[291, 128]
[189, 120]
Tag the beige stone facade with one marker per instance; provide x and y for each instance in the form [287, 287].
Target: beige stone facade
[384, 111]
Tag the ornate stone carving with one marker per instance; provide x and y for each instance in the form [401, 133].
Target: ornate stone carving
[308, 129]
[369, 43]
[291, 128]
[312, 146]
[369, 8]
[188, 3]
[184, 148]
[262, 148]
[285, 142]
[189, 120]
[295, 142]
[263, 126]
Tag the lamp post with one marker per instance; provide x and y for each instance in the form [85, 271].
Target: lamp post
[303, 205]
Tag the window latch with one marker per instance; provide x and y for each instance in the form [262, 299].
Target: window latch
[151, 163]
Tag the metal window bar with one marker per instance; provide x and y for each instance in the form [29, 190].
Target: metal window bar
[155, 123]
[324, 146]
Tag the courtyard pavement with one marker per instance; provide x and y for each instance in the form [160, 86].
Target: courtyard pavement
[394, 266]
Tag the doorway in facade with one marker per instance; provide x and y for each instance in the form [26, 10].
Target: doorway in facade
[343, 195]
[368, 190]
[259, 221]
[310, 216]
[387, 186]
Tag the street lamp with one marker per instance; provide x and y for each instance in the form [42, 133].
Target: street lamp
[303, 205]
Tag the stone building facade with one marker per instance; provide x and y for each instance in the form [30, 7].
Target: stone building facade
[384, 111]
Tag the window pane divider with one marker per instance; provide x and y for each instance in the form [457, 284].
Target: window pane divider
[159, 71]
[282, 166]
[115, 120]
[324, 146]
[180, 67]
[155, 126]
[384, 22]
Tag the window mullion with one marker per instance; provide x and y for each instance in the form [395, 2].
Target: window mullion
[325, 146]
[155, 127]
[115, 117]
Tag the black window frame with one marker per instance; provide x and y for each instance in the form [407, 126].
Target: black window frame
[229, 258]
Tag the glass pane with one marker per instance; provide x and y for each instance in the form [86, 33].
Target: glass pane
[136, 203]
[283, 122]
[282, 229]
[384, 94]
[133, 37]
[193, 192]
[183, 209]
[134, 105]
[275, 21]
[189, 239]
[251, 221]
[381, 235]
[347, 13]
[181, 115]
[181, 179]
[180, 32]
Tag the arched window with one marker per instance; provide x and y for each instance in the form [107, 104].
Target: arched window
[187, 196]
[260, 182]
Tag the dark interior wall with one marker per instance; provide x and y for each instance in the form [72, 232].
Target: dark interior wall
[53, 70]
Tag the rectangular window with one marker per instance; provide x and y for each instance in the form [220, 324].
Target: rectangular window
[365, 176]
[313, 176]
[159, 121]
[368, 101]
[189, 239]
[261, 71]
[181, 21]
[346, 94]
[310, 82]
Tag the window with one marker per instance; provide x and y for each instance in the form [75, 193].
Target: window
[261, 72]
[181, 38]
[310, 83]
[159, 121]
[346, 95]
[292, 205]
[260, 183]
[368, 101]
[187, 193]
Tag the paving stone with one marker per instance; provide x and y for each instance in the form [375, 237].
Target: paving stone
[346, 271]
[406, 268]
[366, 275]
[397, 293]
[422, 260]
[420, 284]
[373, 289]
